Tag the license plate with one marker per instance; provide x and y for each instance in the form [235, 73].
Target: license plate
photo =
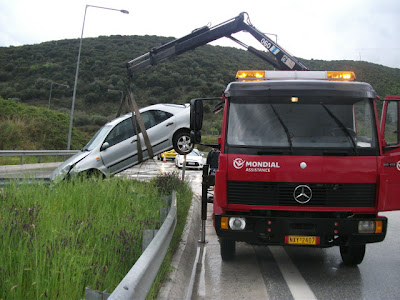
[301, 240]
[190, 164]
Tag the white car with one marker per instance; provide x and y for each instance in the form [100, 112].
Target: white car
[194, 160]
[114, 147]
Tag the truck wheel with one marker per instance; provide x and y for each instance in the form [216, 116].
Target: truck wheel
[182, 143]
[228, 249]
[352, 255]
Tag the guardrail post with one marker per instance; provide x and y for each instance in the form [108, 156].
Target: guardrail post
[148, 236]
[165, 209]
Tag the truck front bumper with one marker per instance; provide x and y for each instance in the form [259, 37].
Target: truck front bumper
[319, 232]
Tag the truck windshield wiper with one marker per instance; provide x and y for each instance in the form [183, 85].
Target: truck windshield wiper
[342, 127]
[285, 128]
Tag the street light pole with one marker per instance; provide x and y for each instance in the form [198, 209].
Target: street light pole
[77, 70]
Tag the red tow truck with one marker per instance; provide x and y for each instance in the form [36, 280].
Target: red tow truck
[304, 162]
[303, 159]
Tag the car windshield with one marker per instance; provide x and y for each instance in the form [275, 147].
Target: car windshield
[97, 138]
[320, 125]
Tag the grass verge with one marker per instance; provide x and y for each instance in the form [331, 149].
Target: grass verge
[56, 240]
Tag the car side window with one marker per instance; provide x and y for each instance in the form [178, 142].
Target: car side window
[153, 117]
[148, 119]
[121, 132]
[392, 124]
[160, 116]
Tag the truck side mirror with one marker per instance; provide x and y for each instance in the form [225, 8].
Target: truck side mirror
[195, 136]
[196, 120]
[196, 114]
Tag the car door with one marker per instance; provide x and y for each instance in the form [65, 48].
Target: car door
[160, 125]
[390, 160]
[122, 150]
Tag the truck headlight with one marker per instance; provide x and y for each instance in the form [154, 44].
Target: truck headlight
[366, 227]
[370, 227]
[237, 223]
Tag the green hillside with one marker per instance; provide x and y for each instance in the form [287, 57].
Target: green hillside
[34, 128]
[26, 73]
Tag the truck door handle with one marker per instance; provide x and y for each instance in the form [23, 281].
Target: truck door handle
[169, 124]
[134, 140]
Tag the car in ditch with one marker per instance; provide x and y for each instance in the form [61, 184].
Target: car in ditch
[194, 160]
[114, 147]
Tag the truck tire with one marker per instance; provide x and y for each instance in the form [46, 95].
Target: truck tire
[352, 255]
[228, 249]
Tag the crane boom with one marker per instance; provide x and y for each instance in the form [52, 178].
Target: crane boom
[201, 36]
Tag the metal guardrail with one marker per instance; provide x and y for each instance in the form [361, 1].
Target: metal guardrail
[137, 283]
[7, 181]
[36, 152]
[40, 153]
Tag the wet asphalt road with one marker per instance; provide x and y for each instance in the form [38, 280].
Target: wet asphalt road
[276, 272]
[283, 272]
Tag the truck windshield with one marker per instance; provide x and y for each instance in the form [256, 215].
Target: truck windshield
[310, 126]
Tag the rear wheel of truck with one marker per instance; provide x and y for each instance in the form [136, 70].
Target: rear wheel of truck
[228, 249]
[352, 255]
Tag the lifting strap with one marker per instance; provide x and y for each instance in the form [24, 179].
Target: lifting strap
[136, 119]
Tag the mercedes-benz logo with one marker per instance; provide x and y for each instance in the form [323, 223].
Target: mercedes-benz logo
[302, 194]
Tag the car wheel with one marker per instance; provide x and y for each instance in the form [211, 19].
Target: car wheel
[182, 143]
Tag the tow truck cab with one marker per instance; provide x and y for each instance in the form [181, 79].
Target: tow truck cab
[304, 162]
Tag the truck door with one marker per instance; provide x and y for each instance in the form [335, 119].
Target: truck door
[390, 162]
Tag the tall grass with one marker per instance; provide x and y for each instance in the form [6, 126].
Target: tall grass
[56, 240]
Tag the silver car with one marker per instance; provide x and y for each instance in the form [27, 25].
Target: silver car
[114, 147]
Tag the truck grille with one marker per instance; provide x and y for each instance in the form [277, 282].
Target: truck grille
[281, 193]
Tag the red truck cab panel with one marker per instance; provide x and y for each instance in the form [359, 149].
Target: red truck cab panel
[389, 164]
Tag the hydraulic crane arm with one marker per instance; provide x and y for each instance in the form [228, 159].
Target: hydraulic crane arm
[201, 36]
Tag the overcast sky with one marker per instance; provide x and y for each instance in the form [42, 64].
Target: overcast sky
[365, 30]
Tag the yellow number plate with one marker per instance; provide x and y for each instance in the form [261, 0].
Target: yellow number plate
[301, 240]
